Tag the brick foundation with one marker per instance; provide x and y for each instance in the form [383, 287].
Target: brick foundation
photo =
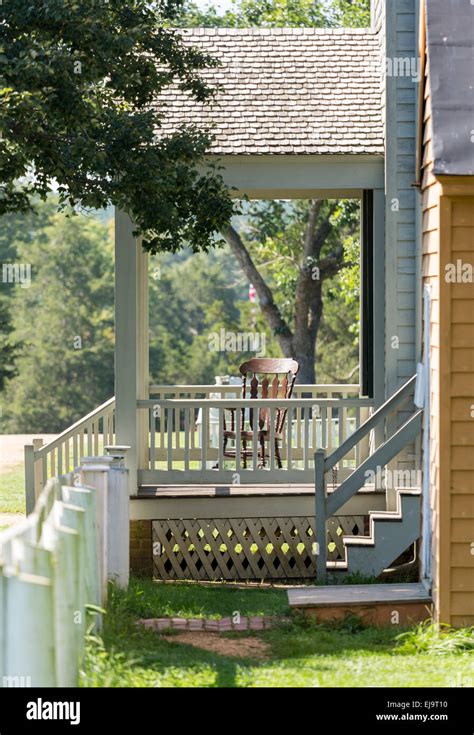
[141, 551]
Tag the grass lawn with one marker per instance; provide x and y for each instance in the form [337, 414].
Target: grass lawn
[299, 653]
[12, 490]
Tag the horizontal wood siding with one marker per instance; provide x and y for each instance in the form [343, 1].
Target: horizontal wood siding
[461, 240]
[448, 240]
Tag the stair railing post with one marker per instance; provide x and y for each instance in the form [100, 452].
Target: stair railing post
[320, 503]
[29, 478]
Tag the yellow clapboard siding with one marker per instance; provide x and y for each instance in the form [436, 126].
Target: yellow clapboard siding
[462, 238]
[462, 434]
[462, 212]
[462, 481]
[461, 557]
[462, 359]
[462, 580]
[462, 530]
[462, 621]
[461, 409]
[462, 384]
[462, 506]
[462, 335]
[462, 603]
[462, 311]
[461, 290]
[462, 459]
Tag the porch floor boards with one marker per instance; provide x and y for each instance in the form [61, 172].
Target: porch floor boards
[145, 492]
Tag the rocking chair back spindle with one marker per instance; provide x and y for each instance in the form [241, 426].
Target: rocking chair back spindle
[262, 378]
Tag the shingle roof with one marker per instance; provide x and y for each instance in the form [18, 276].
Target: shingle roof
[287, 91]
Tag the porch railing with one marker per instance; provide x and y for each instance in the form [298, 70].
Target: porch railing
[86, 437]
[186, 429]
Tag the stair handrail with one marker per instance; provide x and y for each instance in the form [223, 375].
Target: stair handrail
[36, 457]
[369, 424]
[326, 507]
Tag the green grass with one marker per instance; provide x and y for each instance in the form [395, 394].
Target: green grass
[302, 653]
[12, 491]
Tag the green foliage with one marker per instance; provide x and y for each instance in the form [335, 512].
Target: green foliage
[64, 325]
[78, 107]
[441, 640]
[280, 13]
[274, 233]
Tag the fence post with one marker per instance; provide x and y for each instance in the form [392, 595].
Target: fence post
[29, 478]
[320, 502]
[39, 479]
[118, 517]
[94, 472]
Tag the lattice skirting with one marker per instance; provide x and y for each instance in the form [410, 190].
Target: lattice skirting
[209, 549]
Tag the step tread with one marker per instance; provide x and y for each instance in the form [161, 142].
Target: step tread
[357, 594]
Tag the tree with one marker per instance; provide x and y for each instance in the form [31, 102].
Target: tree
[279, 13]
[292, 253]
[63, 322]
[29, 226]
[300, 248]
[79, 112]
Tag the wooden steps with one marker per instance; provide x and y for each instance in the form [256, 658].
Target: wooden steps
[375, 604]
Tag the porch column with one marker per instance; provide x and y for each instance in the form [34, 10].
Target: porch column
[379, 305]
[131, 345]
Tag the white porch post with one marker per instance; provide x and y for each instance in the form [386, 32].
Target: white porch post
[131, 345]
[379, 305]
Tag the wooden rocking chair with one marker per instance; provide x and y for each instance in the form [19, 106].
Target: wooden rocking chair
[277, 381]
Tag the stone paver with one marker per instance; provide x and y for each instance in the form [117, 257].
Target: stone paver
[226, 625]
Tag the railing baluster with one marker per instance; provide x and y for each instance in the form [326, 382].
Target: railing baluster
[272, 439]
[187, 422]
[177, 423]
[89, 440]
[169, 447]
[152, 438]
[330, 428]
[44, 465]
[66, 456]
[75, 453]
[324, 427]
[220, 440]
[60, 459]
[204, 436]
[306, 438]
[162, 424]
[289, 435]
[255, 444]
[238, 418]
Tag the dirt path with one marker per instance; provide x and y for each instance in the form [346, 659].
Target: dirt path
[12, 448]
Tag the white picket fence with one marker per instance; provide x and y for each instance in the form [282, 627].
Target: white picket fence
[54, 570]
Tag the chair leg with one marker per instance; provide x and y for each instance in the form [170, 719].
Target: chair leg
[262, 449]
[244, 451]
[277, 454]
